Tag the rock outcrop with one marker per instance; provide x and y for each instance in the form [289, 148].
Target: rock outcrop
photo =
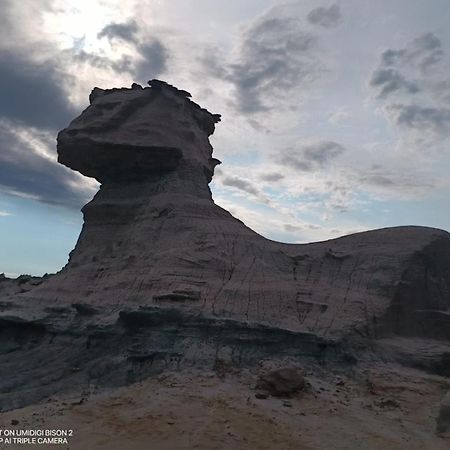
[161, 275]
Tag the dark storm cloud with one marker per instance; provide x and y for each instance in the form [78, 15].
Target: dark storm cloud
[23, 172]
[33, 98]
[325, 17]
[310, 157]
[32, 93]
[125, 31]
[390, 80]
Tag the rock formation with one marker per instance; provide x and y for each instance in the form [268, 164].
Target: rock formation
[161, 275]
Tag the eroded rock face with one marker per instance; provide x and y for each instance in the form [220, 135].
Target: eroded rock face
[133, 134]
[154, 237]
[161, 275]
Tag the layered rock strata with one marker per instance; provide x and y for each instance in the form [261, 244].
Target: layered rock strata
[161, 273]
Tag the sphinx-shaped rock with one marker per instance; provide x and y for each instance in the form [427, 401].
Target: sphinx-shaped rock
[153, 236]
[132, 134]
[161, 273]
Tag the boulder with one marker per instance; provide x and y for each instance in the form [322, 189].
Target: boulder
[282, 382]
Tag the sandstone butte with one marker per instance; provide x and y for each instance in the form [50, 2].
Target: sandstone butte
[161, 277]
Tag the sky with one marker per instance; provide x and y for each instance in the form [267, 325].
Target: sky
[335, 115]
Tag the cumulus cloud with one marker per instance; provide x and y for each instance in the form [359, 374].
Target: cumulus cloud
[413, 85]
[419, 117]
[423, 51]
[80, 56]
[310, 157]
[149, 56]
[126, 31]
[325, 17]
[406, 70]
[152, 61]
[389, 80]
[275, 58]
[147, 61]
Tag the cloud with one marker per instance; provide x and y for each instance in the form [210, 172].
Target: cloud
[28, 169]
[275, 57]
[150, 56]
[390, 80]
[423, 52]
[39, 84]
[394, 183]
[310, 157]
[5, 214]
[126, 31]
[413, 86]
[145, 58]
[80, 56]
[420, 118]
[325, 17]
[338, 115]
[406, 70]
[153, 59]
[33, 93]
[269, 222]
[146, 62]
[240, 183]
[271, 177]
[294, 228]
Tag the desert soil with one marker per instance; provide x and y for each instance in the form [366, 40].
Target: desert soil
[373, 409]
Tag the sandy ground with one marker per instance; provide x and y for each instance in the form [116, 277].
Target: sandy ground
[390, 409]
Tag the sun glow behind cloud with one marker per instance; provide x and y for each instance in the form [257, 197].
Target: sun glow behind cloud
[78, 22]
